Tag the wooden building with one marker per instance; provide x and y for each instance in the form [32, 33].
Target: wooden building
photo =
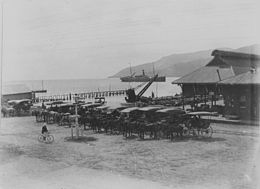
[224, 64]
[207, 80]
[16, 92]
[242, 95]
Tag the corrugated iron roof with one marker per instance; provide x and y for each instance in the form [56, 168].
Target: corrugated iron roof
[15, 89]
[207, 74]
[235, 54]
[227, 63]
[250, 77]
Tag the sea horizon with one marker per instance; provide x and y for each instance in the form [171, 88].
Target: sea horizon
[66, 86]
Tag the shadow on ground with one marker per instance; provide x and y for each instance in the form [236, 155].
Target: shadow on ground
[132, 137]
[213, 139]
[10, 151]
[82, 139]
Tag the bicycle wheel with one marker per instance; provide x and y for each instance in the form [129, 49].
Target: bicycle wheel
[49, 139]
[40, 138]
[207, 132]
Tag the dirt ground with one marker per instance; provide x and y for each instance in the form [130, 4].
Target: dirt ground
[227, 160]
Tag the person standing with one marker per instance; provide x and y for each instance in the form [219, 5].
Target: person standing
[152, 94]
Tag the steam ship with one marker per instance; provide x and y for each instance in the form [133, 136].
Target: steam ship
[141, 78]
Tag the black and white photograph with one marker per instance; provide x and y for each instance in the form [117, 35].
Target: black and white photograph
[130, 94]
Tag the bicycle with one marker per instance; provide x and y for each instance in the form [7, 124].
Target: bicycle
[48, 138]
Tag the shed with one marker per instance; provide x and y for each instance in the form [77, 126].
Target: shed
[225, 64]
[16, 92]
[242, 95]
[251, 77]
[206, 80]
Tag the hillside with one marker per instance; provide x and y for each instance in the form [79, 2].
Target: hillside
[177, 65]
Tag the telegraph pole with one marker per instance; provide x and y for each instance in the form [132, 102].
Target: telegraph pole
[76, 119]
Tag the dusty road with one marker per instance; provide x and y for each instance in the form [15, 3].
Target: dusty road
[228, 160]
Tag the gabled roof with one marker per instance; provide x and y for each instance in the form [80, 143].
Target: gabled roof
[229, 61]
[235, 55]
[150, 108]
[207, 74]
[226, 63]
[250, 77]
[236, 59]
[15, 89]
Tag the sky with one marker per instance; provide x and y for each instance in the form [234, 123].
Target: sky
[69, 39]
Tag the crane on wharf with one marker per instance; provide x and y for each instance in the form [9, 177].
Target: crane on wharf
[132, 97]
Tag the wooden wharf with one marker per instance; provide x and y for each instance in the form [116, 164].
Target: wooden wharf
[86, 95]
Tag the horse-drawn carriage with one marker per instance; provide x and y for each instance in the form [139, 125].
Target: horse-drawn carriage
[158, 122]
[105, 118]
[7, 111]
[147, 122]
[171, 122]
[155, 122]
[64, 119]
[129, 118]
[16, 108]
[198, 123]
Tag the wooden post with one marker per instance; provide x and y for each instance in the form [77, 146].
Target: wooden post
[194, 102]
[194, 97]
[76, 119]
[205, 98]
[71, 129]
[182, 98]
[212, 99]
[182, 102]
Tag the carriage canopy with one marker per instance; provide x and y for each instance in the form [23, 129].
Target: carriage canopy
[127, 110]
[172, 110]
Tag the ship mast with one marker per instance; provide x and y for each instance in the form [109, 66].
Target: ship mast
[153, 70]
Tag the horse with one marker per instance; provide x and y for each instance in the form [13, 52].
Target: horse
[7, 111]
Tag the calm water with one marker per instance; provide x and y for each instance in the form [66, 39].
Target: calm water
[56, 87]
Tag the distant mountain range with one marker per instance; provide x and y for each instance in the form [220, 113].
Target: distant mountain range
[177, 65]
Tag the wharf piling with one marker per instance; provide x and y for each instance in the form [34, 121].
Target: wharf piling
[71, 96]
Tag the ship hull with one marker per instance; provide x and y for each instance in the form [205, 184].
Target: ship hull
[142, 79]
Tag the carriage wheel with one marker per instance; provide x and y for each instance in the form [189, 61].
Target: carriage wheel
[187, 124]
[185, 132]
[193, 132]
[160, 134]
[207, 132]
[172, 135]
[116, 132]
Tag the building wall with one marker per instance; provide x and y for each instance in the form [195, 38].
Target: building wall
[189, 90]
[18, 96]
[242, 100]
